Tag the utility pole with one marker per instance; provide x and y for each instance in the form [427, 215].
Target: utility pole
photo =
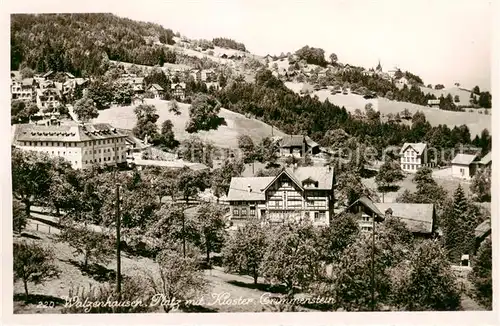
[118, 258]
[373, 262]
[184, 230]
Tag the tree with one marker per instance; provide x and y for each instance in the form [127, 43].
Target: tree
[247, 146]
[93, 245]
[481, 274]
[179, 279]
[210, 224]
[190, 183]
[338, 235]
[20, 112]
[476, 90]
[203, 114]
[481, 185]
[174, 107]
[30, 176]
[333, 58]
[85, 109]
[27, 72]
[438, 86]
[292, 258]
[146, 122]
[33, 263]
[458, 226]
[166, 138]
[406, 114]
[19, 216]
[426, 281]
[245, 249]
[389, 173]
[221, 177]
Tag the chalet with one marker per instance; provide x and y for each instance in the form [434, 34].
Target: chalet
[463, 166]
[48, 98]
[52, 74]
[298, 146]
[434, 103]
[137, 83]
[179, 91]
[157, 91]
[302, 193]
[418, 218]
[413, 156]
[402, 81]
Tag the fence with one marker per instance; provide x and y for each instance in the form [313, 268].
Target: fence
[40, 227]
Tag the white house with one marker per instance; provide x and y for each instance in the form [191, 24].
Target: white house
[463, 166]
[81, 145]
[413, 156]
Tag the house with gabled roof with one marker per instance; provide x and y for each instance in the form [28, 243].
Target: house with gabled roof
[301, 193]
[418, 218]
[179, 91]
[463, 166]
[413, 157]
[297, 145]
[482, 232]
[156, 91]
[485, 162]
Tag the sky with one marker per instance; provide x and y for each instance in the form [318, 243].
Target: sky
[442, 41]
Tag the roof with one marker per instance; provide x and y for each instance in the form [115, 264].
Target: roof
[156, 86]
[419, 218]
[367, 202]
[486, 159]
[67, 133]
[183, 85]
[240, 186]
[418, 147]
[27, 82]
[297, 141]
[463, 159]
[238, 190]
[483, 229]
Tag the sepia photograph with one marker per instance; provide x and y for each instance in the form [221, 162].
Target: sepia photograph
[177, 157]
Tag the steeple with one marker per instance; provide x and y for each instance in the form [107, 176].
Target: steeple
[379, 66]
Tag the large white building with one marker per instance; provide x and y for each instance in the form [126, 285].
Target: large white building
[413, 157]
[81, 145]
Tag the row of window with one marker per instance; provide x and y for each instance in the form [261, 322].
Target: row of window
[71, 144]
[410, 166]
[236, 211]
[105, 159]
[411, 153]
[104, 150]
[410, 159]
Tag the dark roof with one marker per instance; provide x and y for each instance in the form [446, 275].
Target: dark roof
[297, 141]
[483, 229]
[67, 133]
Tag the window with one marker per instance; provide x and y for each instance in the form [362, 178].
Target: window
[316, 216]
[99, 160]
[252, 211]
[243, 212]
[285, 184]
[236, 212]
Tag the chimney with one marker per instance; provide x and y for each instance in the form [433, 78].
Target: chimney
[388, 213]
[249, 188]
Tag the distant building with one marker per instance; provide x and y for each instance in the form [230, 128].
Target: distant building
[413, 156]
[485, 162]
[434, 103]
[302, 193]
[157, 91]
[462, 166]
[81, 145]
[179, 91]
[23, 90]
[48, 98]
[297, 145]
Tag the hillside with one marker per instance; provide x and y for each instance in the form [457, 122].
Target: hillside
[475, 121]
[225, 136]
[464, 95]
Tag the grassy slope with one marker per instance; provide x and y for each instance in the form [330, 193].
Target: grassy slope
[462, 94]
[224, 136]
[475, 121]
